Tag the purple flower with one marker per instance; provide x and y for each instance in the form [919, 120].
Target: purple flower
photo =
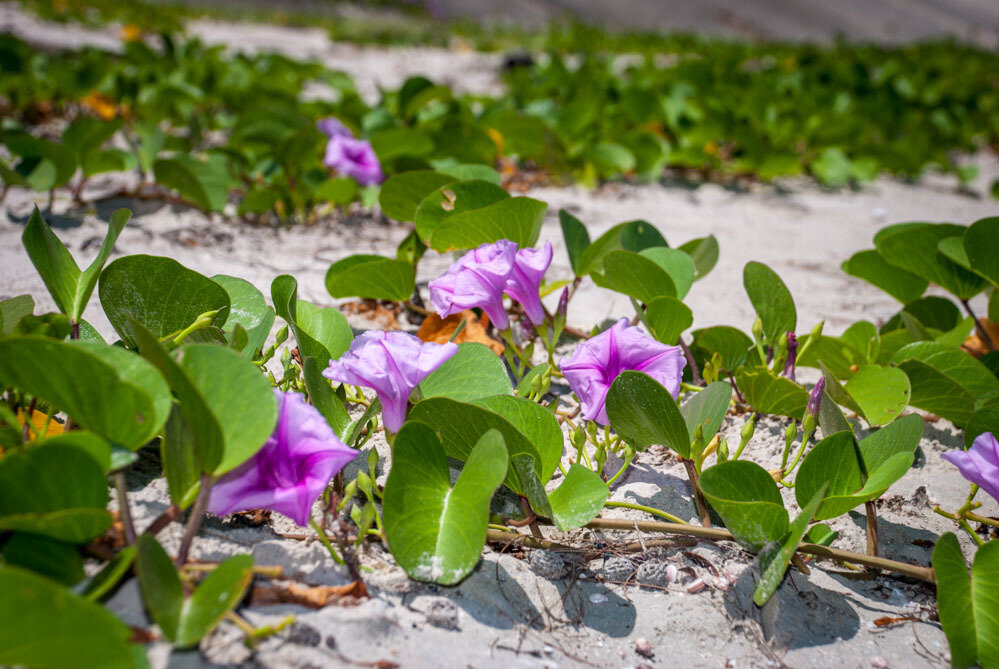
[815, 398]
[792, 355]
[476, 280]
[333, 127]
[979, 464]
[599, 360]
[354, 158]
[291, 470]
[529, 267]
[391, 363]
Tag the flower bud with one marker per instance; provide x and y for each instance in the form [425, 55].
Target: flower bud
[563, 307]
[697, 444]
[578, 437]
[364, 482]
[815, 398]
[792, 355]
[748, 428]
[758, 329]
[722, 449]
[790, 433]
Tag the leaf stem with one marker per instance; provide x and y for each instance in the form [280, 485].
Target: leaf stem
[695, 487]
[123, 507]
[695, 373]
[326, 542]
[628, 457]
[647, 509]
[194, 520]
[872, 527]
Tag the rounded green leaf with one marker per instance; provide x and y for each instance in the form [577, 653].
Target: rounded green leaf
[678, 264]
[371, 276]
[104, 389]
[401, 194]
[436, 532]
[454, 199]
[247, 306]
[954, 604]
[704, 252]
[871, 267]
[771, 394]
[518, 219]
[668, 318]
[203, 183]
[771, 299]
[981, 243]
[214, 597]
[985, 599]
[880, 392]
[630, 236]
[162, 591]
[913, 247]
[732, 344]
[643, 413]
[58, 560]
[944, 380]
[576, 237]
[748, 501]
[472, 373]
[707, 409]
[635, 275]
[774, 562]
[87, 634]
[55, 490]
[578, 499]
[533, 421]
[159, 293]
[403, 141]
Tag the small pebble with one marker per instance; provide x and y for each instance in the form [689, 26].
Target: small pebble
[695, 586]
[304, 635]
[721, 583]
[643, 648]
[330, 642]
[879, 662]
[598, 598]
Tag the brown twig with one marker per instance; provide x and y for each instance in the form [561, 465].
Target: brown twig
[982, 332]
[194, 521]
[171, 514]
[695, 487]
[123, 507]
[872, 528]
[695, 374]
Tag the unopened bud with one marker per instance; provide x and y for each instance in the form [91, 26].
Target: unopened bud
[364, 482]
[722, 449]
[792, 355]
[563, 305]
[758, 329]
[281, 336]
[748, 428]
[790, 434]
[815, 398]
[578, 437]
[697, 444]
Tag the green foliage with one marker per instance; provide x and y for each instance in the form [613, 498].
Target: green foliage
[474, 372]
[644, 413]
[966, 605]
[371, 276]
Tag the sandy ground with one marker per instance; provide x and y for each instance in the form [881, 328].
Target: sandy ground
[542, 610]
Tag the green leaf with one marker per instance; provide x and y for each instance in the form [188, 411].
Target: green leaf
[150, 140]
[470, 171]
[52, 260]
[453, 199]
[339, 191]
[732, 344]
[535, 422]
[203, 183]
[104, 389]
[247, 306]
[985, 419]
[981, 243]
[748, 501]
[945, 380]
[185, 453]
[371, 276]
[631, 236]
[161, 588]
[871, 267]
[88, 442]
[87, 634]
[397, 142]
[831, 418]
[771, 394]
[223, 588]
[704, 252]
[577, 239]
[832, 167]
[611, 158]
[55, 559]
[88, 278]
[326, 401]
[401, 194]
[913, 247]
[954, 604]
[678, 264]
[518, 219]
[437, 532]
[880, 446]
[472, 373]
[773, 563]
[160, 293]
[643, 413]
[707, 409]
[880, 392]
[46, 165]
[56, 491]
[12, 310]
[635, 275]
[821, 534]
[985, 600]
[321, 333]
[578, 499]
[109, 576]
[771, 300]
[668, 318]
[932, 311]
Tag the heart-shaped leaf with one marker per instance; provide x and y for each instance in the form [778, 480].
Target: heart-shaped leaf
[881, 393]
[517, 219]
[371, 276]
[945, 380]
[104, 389]
[771, 394]
[160, 293]
[88, 635]
[913, 248]
[675, 262]
[453, 199]
[577, 239]
[771, 299]
[871, 267]
[472, 373]
[643, 413]
[401, 194]
[437, 532]
[732, 344]
[707, 409]
[53, 490]
[748, 501]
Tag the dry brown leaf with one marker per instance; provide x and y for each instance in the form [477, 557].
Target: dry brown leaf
[382, 313]
[312, 596]
[38, 420]
[437, 330]
[974, 344]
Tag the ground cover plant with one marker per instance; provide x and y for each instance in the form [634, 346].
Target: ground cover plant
[248, 415]
[240, 134]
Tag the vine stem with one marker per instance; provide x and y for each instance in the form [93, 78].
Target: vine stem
[872, 528]
[194, 521]
[718, 534]
[695, 374]
[982, 333]
[695, 487]
[647, 509]
[123, 507]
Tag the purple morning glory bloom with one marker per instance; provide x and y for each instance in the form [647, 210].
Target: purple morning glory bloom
[529, 267]
[599, 360]
[291, 470]
[354, 158]
[392, 364]
[980, 463]
[478, 279]
[333, 127]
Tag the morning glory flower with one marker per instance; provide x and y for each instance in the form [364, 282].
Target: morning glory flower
[482, 276]
[980, 463]
[348, 155]
[291, 470]
[599, 360]
[524, 283]
[478, 279]
[392, 364]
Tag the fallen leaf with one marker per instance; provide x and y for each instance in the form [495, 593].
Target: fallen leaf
[100, 104]
[311, 596]
[438, 330]
[380, 312]
[38, 420]
[975, 345]
[888, 621]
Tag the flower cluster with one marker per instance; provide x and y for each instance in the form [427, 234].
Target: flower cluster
[292, 468]
[348, 155]
[599, 360]
[483, 275]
